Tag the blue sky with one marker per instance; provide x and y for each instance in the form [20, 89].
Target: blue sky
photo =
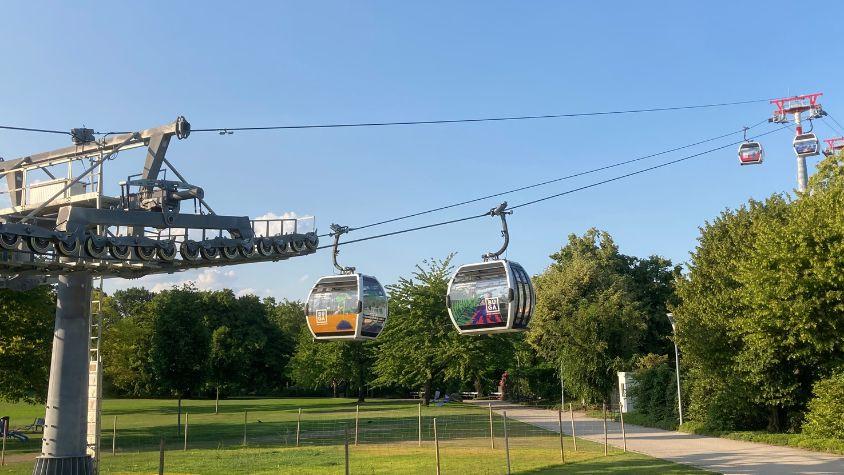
[127, 66]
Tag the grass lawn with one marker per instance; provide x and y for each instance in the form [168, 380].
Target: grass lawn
[388, 440]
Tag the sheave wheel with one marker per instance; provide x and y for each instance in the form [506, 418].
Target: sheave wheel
[189, 251]
[97, 251]
[68, 247]
[208, 253]
[8, 241]
[264, 247]
[229, 252]
[280, 245]
[167, 252]
[145, 253]
[311, 242]
[298, 245]
[119, 252]
[38, 245]
[246, 249]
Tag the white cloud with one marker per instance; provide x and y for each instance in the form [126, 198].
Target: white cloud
[304, 277]
[274, 224]
[246, 291]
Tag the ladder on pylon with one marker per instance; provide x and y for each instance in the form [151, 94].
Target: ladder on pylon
[95, 373]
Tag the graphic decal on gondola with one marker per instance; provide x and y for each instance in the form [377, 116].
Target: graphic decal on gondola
[332, 310]
[480, 302]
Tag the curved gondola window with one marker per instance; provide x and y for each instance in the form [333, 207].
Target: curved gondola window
[332, 308]
[480, 297]
[524, 286]
[374, 307]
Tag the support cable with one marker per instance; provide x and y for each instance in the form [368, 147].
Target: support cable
[556, 195]
[554, 180]
[227, 130]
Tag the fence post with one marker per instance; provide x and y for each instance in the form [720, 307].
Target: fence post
[562, 450]
[187, 421]
[245, 413]
[346, 445]
[491, 433]
[623, 434]
[606, 443]
[161, 457]
[3, 450]
[298, 426]
[573, 438]
[357, 417]
[420, 424]
[437, 445]
[114, 436]
[506, 442]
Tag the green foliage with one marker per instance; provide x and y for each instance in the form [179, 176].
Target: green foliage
[416, 345]
[335, 363]
[825, 417]
[654, 391]
[589, 316]
[179, 347]
[26, 337]
[248, 352]
[126, 349]
[761, 313]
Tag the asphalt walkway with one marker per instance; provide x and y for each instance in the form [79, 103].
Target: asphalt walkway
[709, 453]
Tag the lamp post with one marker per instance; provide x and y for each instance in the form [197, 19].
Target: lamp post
[677, 364]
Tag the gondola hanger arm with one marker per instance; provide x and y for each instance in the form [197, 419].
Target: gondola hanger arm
[502, 211]
[338, 231]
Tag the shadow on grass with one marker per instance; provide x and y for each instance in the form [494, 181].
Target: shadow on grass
[614, 464]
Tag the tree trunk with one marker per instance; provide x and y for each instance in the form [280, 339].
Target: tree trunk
[426, 393]
[217, 402]
[179, 421]
[334, 387]
[774, 420]
[479, 387]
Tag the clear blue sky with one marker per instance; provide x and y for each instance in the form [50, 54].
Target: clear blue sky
[125, 66]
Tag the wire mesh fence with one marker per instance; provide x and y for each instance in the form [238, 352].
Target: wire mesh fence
[501, 435]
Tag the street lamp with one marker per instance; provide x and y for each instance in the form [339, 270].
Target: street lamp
[677, 364]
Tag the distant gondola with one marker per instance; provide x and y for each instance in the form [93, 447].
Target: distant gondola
[493, 296]
[750, 153]
[350, 306]
[806, 145]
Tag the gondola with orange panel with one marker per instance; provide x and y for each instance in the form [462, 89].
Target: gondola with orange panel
[348, 306]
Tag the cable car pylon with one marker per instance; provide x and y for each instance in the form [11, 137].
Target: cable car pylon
[791, 109]
[493, 296]
[349, 306]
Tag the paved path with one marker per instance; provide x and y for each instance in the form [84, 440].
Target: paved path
[710, 453]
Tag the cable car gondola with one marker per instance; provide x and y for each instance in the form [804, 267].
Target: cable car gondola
[349, 306]
[493, 296]
[806, 145]
[750, 152]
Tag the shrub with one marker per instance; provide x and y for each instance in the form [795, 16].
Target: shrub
[825, 417]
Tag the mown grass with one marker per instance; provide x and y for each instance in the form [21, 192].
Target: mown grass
[388, 433]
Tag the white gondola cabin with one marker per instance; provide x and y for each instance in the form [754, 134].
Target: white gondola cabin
[750, 153]
[346, 307]
[493, 296]
[490, 297]
[806, 145]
